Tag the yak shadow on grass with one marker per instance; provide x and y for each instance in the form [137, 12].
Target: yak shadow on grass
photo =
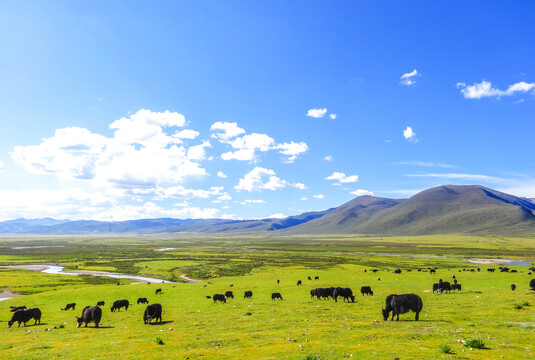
[100, 327]
[161, 322]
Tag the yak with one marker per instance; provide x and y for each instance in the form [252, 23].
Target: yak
[219, 297]
[346, 293]
[152, 311]
[276, 296]
[90, 314]
[25, 315]
[118, 304]
[401, 304]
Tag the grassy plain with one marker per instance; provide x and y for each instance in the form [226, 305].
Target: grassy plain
[298, 327]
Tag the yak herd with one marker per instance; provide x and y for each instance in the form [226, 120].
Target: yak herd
[395, 304]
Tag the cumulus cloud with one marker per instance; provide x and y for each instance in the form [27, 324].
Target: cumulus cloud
[342, 178]
[277, 216]
[73, 203]
[221, 174]
[328, 158]
[254, 181]
[250, 201]
[292, 149]
[409, 78]
[140, 153]
[332, 116]
[361, 192]
[410, 135]
[186, 134]
[485, 89]
[226, 130]
[316, 113]
[246, 147]
[319, 196]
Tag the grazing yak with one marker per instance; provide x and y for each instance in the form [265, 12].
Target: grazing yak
[142, 301]
[248, 294]
[118, 304]
[397, 271]
[229, 294]
[299, 282]
[70, 306]
[100, 303]
[346, 293]
[316, 278]
[442, 286]
[25, 315]
[17, 308]
[323, 293]
[90, 314]
[309, 278]
[278, 281]
[432, 271]
[532, 284]
[366, 290]
[456, 286]
[158, 291]
[219, 297]
[513, 287]
[401, 304]
[276, 296]
[152, 311]
[491, 270]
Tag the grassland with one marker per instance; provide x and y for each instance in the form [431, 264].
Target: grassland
[298, 327]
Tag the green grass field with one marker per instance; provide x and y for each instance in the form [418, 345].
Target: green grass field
[298, 327]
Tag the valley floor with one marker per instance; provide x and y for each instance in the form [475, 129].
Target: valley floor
[298, 327]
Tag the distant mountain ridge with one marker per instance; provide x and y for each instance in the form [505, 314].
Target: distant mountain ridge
[444, 209]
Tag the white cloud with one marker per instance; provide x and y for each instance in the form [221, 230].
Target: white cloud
[277, 216]
[139, 154]
[221, 174]
[471, 177]
[304, 198]
[151, 210]
[73, 203]
[424, 164]
[485, 89]
[409, 79]
[228, 130]
[172, 192]
[361, 192]
[246, 146]
[186, 134]
[319, 196]
[342, 178]
[197, 152]
[225, 197]
[410, 135]
[253, 181]
[249, 201]
[328, 158]
[292, 149]
[316, 113]
[299, 186]
[332, 116]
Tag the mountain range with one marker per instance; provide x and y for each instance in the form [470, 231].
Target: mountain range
[470, 209]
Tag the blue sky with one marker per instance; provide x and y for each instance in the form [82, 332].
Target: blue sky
[116, 110]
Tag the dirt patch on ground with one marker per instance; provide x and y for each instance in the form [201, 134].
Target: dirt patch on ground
[7, 294]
